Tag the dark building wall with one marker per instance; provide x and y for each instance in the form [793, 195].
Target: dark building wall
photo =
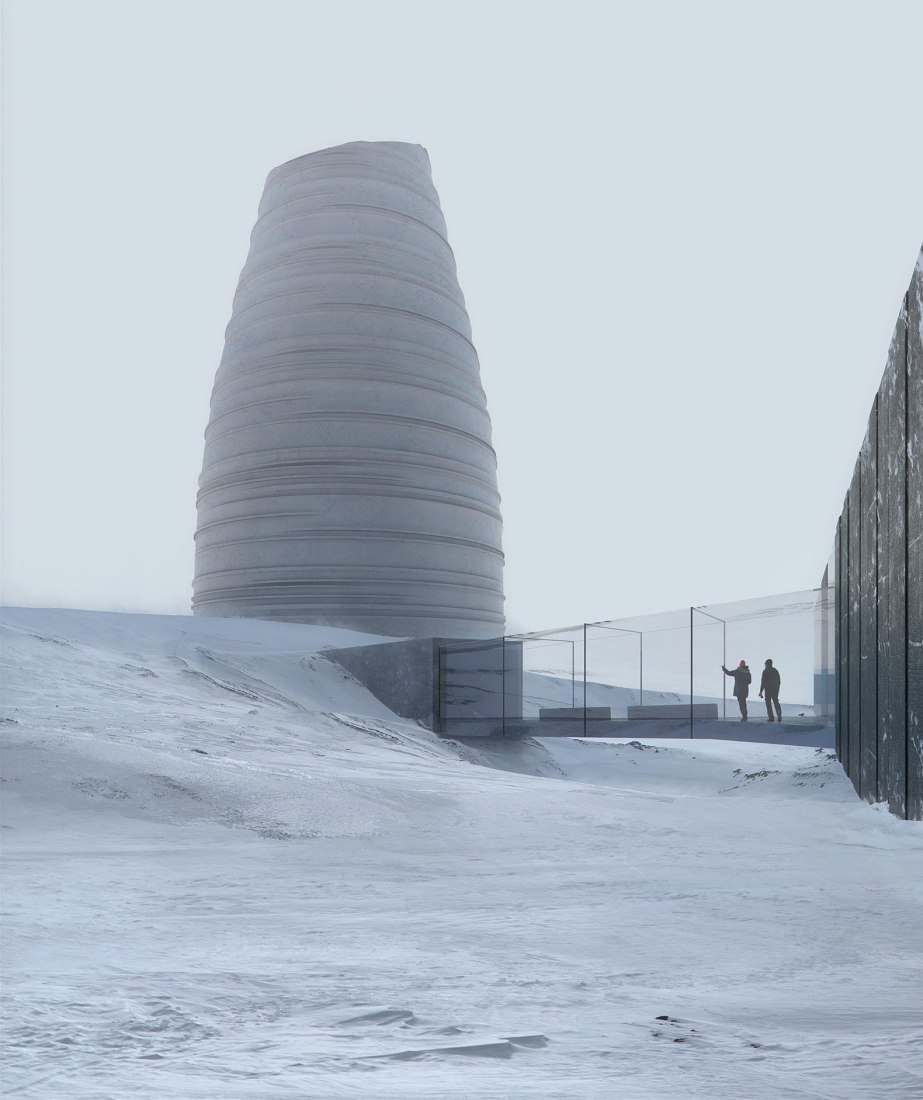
[915, 545]
[879, 584]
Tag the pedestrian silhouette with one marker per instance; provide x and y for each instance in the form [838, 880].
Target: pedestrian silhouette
[770, 682]
[742, 679]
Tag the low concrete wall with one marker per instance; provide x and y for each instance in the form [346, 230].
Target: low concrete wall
[480, 679]
[476, 678]
[404, 675]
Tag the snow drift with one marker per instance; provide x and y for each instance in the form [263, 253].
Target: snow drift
[230, 871]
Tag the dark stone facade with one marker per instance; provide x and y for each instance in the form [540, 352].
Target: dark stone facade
[879, 584]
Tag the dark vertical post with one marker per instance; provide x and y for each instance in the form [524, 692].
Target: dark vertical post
[854, 652]
[724, 661]
[503, 686]
[868, 610]
[908, 585]
[641, 651]
[842, 637]
[838, 740]
[584, 679]
[691, 668]
[913, 549]
[435, 697]
[891, 576]
[441, 707]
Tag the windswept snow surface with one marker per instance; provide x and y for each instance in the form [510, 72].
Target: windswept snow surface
[232, 873]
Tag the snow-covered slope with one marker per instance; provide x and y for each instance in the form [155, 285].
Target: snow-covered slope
[230, 872]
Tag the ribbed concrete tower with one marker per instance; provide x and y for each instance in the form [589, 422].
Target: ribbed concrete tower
[349, 477]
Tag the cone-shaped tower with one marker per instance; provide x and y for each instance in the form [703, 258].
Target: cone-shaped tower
[348, 476]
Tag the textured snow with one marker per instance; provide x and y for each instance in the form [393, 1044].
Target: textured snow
[231, 872]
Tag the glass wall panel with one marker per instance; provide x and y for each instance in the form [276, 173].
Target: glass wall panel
[661, 675]
[639, 668]
[614, 669]
[777, 628]
[553, 674]
[710, 685]
[825, 643]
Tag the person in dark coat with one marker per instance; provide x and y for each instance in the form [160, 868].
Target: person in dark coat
[742, 680]
[770, 682]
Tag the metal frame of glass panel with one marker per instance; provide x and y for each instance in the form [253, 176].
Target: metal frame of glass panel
[604, 672]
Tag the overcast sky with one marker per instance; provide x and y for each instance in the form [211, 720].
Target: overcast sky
[683, 231]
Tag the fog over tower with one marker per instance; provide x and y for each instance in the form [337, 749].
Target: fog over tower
[348, 476]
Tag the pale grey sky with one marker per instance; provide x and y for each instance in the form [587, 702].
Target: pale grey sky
[683, 231]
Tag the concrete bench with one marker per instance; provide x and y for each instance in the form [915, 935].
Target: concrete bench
[594, 714]
[675, 710]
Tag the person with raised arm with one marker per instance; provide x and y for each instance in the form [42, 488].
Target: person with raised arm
[742, 678]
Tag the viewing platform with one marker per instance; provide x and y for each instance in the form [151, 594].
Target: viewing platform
[813, 732]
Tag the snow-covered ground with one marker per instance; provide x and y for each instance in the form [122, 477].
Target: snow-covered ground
[229, 872]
